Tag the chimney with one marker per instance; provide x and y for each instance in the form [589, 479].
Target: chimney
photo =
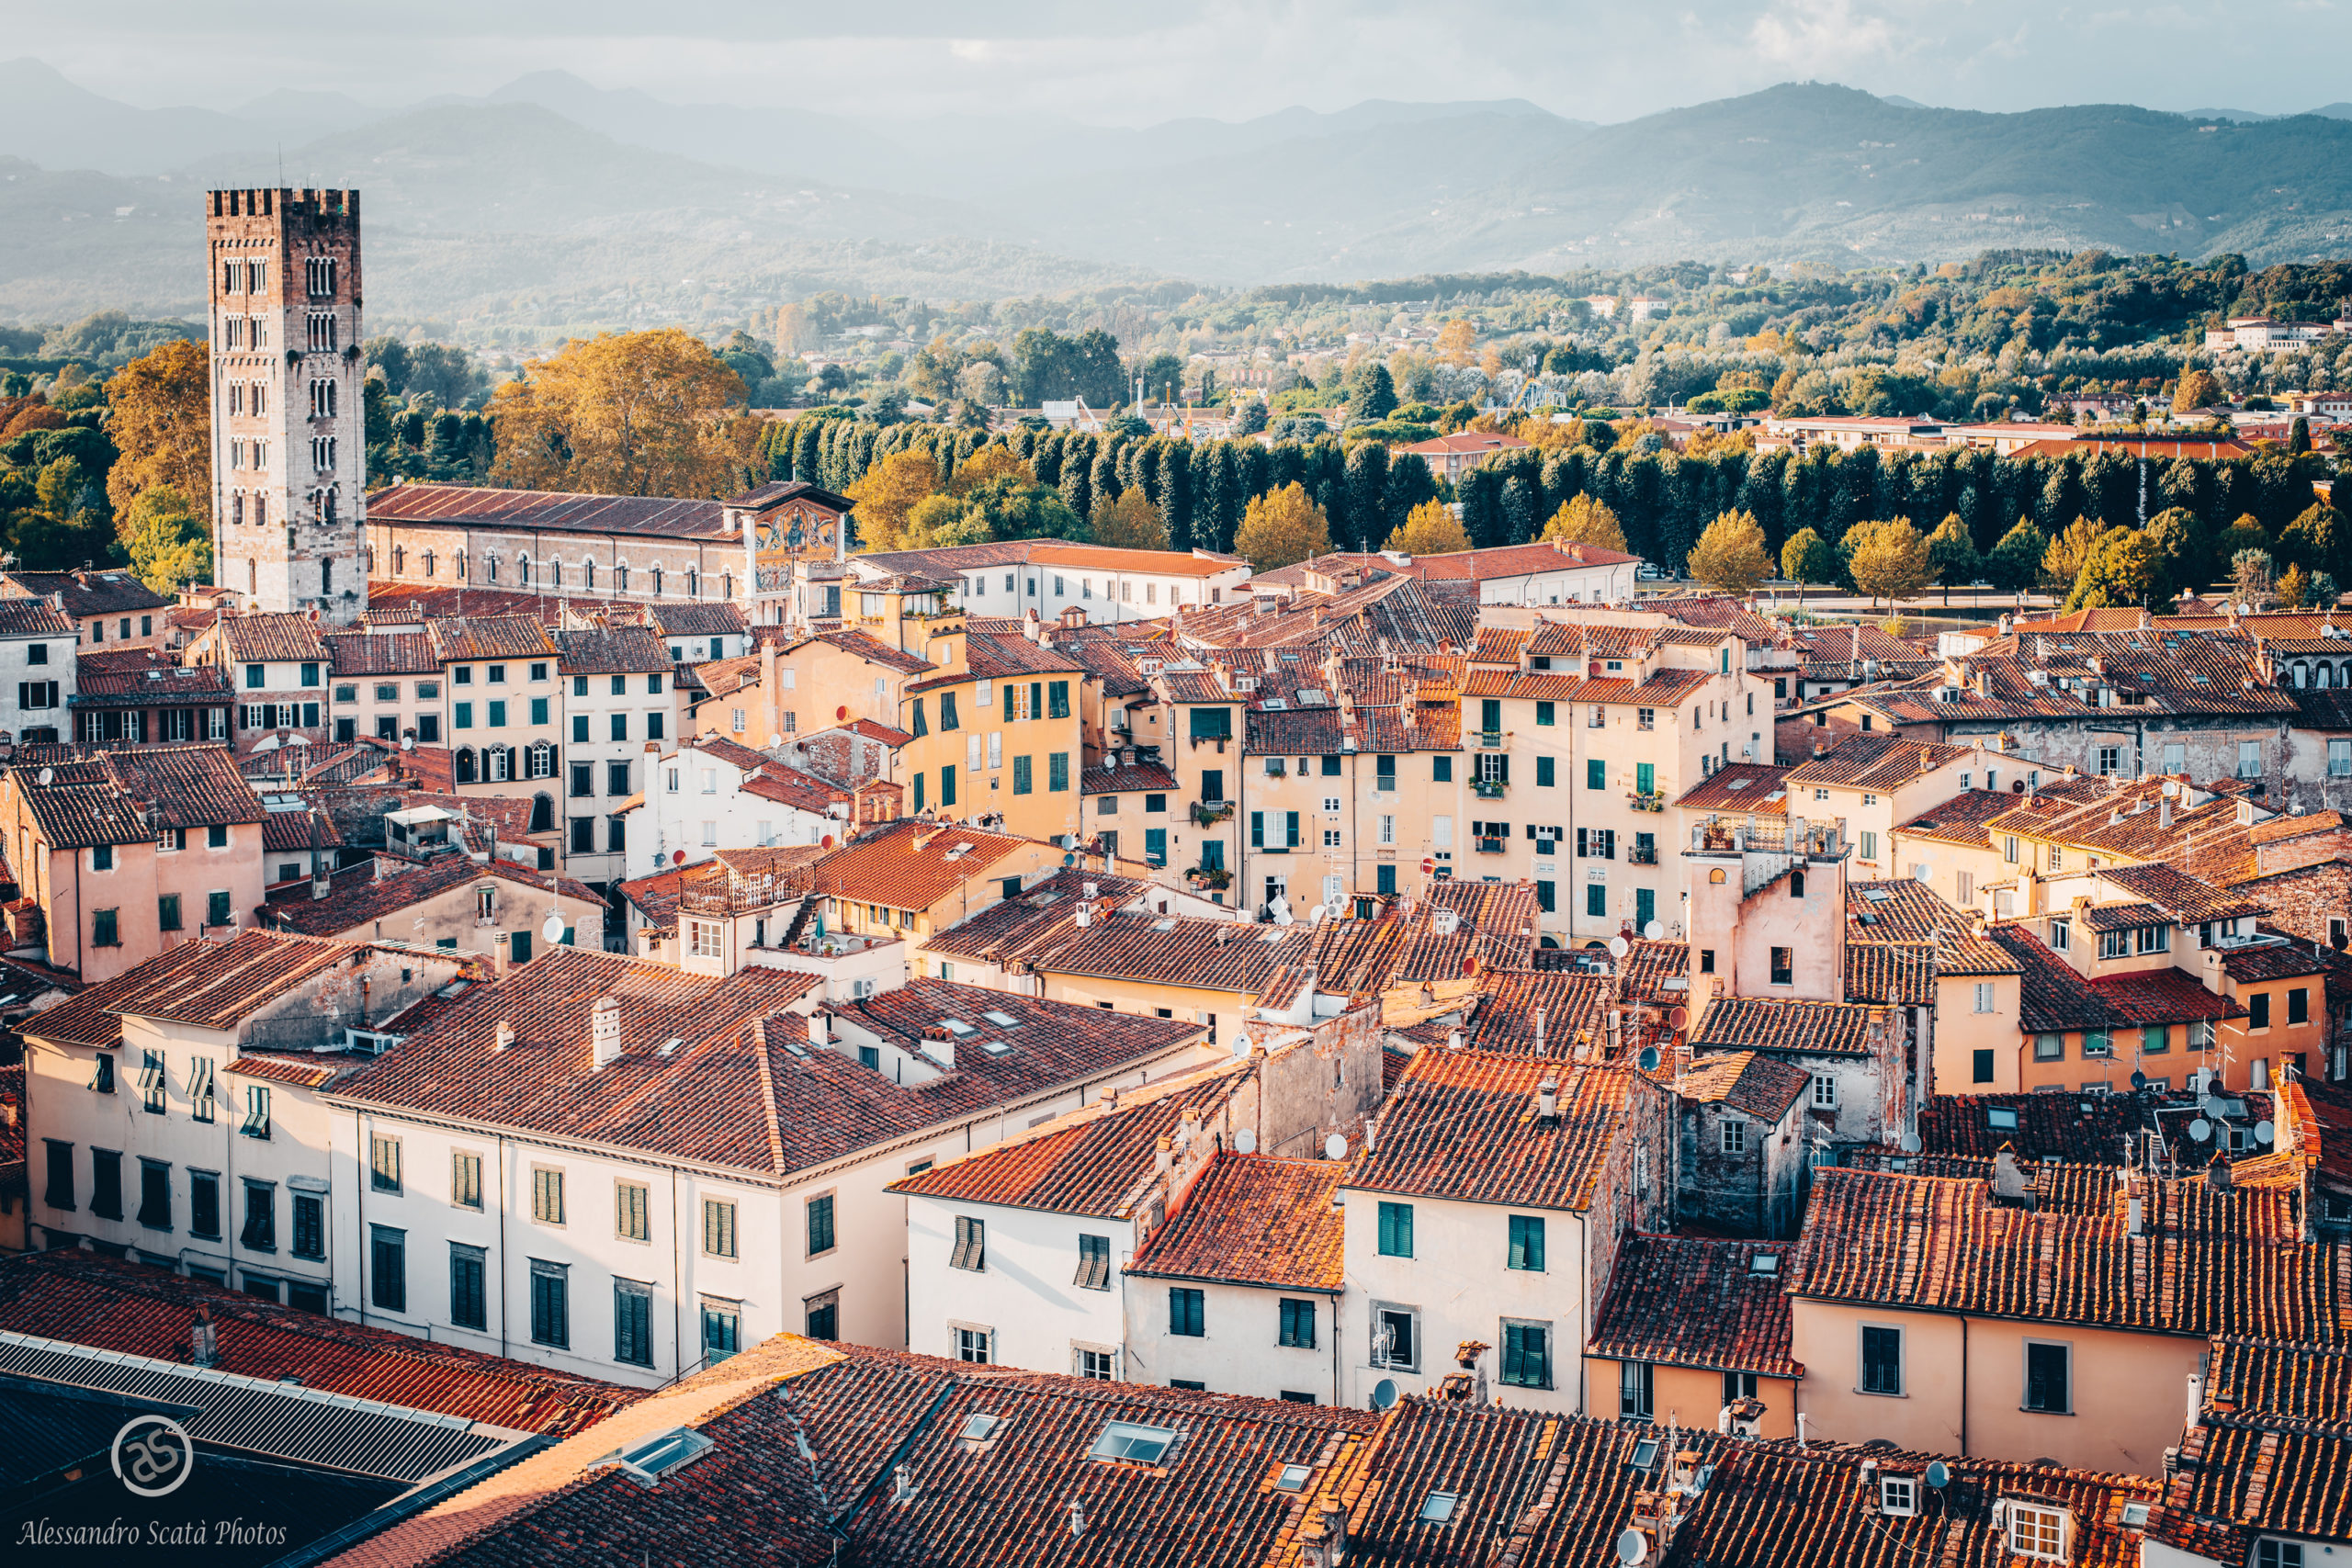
[2217, 1174]
[1453, 1038]
[1547, 1101]
[1163, 1157]
[604, 1032]
[2195, 1397]
[820, 1028]
[1323, 1543]
[1539, 1035]
[506, 1035]
[204, 1343]
[2164, 814]
[940, 1046]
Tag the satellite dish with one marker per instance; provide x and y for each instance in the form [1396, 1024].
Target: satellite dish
[1336, 1146]
[1649, 1058]
[2200, 1129]
[552, 928]
[48, 776]
[1633, 1549]
[1314, 916]
[1938, 1474]
[1912, 1144]
[2264, 1132]
[841, 713]
[1676, 1018]
[1245, 1142]
[2139, 1079]
[775, 741]
[1384, 1394]
[1653, 930]
[1069, 860]
[2213, 1107]
[1619, 947]
[408, 742]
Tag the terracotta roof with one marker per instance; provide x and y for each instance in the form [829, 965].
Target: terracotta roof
[655, 898]
[503, 509]
[1508, 1001]
[310, 1072]
[1006, 656]
[379, 888]
[2163, 995]
[1763, 1087]
[1250, 1219]
[1104, 780]
[911, 865]
[125, 795]
[86, 593]
[1096, 1161]
[489, 637]
[2179, 895]
[210, 985]
[1962, 820]
[2243, 1478]
[2272, 961]
[133, 1310]
[1874, 763]
[612, 650]
[1754, 1024]
[2075, 1129]
[2300, 1382]
[2209, 1262]
[873, 649]
[1898, 909]
[2053, 998]
[696, 619]
[1176, 949]
[1462, 1125]
[382, 653]
[33, 617]
[1692, 1302]
[1007, 927]
[285, 831]
[1741, 786]
[270, 636]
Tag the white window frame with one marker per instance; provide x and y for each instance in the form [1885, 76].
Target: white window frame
[2031, 1525]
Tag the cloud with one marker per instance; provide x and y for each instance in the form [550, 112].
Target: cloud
[1808, 35]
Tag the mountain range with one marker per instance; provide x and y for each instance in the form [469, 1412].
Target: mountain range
[554, 203]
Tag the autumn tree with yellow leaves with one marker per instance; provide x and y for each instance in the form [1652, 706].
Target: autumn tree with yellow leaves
[1429, 529]
[887, 493]
[1730, 557]
[1584, 521]
[627, 414]
[160, 418]
[1283, 528]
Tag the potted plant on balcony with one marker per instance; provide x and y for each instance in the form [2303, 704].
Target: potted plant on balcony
[1209, 876]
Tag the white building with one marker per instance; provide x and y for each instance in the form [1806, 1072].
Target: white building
[174, 1109]
[617, 1169]
[616, 680]
[37, 643]
[1047, 576]
[1488, 1209]
[711, 794]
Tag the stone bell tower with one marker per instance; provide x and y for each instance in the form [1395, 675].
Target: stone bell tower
[289, 461]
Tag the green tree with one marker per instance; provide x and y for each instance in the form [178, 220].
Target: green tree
[1808, 558]
[1432, 530]
[168, 545]
[2318, 539]
[2183, 548]
[1129, 522]
[2250, 577]
[1283, 528]
[2122, 569]
[1371, 392]
[2062, 563]
[2299, 436]
[1730, 557]
[1952, 553]
[2016, 562]
[1012, 510]
[1889, 560]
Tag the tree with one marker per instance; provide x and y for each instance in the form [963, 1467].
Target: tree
[2250, 578]
[2197, 390]
[1952, 553]
[1730, 557]
[1371, 393]
[1012, 510]
[1808, 558]
[2122, 569]
[159, 415]
[2182, 549]
[1584, 521]
[2299, 436]
[1453, 342]
[2062, 563]
[888, 492]
[2318, 539]
[1130, 523]
[1430, 530]
[625, 413]
[994, 461]
[1889, 560]
[168, 545]
[1282, 527]
[2294, 589]
[2016, 562]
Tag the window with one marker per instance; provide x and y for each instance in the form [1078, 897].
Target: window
[2036, 1531]
[1186, 1308]
[1882, 1360]
[1825, 1092]
[384, 1164]
[1396, 1230]
[717, 1228]
[632, 1323]
[1093, 1263]
[1096, 1364]
[309, 1225]
[2048, 1385]
[1596, 774]
[154, 1084]
[154, 1195]
[547, 1195]
[1297, 1325]
[469, 1302]
[106, 928]
[1133, 1442]
[1735, 1136]
[1437, 1508]
[2249, 759]
[1868, 846]
[1785, 972]
[821, 1225]
[1636, 1391]
[1543, 714]
[550, 1304]
[2269, 1553]
[2299, 1006]
[1982, 1067]
[256, 1122]
[465, 1181]
[216, 908]
[1527, 1354]
[2258, 1010]
[971, 1245]
[722, 1330]
[58, 1193]
[975, 1344]
[388, 1267]
[821, 1316]
[1526, 1248]
[2062, 935]
[1898, 1495]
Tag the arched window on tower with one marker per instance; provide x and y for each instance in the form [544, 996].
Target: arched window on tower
[426, 561]
[657, 582]
[620, 576]
[694, 583]
[400, 559]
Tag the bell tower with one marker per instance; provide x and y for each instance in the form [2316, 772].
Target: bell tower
[289, 462]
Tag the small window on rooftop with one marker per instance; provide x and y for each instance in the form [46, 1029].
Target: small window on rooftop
[2001, 1118]
[957, 1027]
[979, 1427]
[656, 1456]
[1293, 1477]
[1001, 1019]
[995, 1048]
[1439, 1508]
[2135, 1514]
[1764, 1263]
[1163, 925]
[1644, 1454]
[1133, 1442]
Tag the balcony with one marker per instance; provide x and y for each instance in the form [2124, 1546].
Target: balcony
[1488, 789]
[1489, 846]
[1639, 856]
[1209, 812]
[1646, 800]
[1489, 739]
[1209, 876]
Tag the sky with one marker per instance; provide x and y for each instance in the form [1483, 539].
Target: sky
[1115, 62]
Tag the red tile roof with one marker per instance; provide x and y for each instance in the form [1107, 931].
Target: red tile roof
[382, 887]
[1763, 1087]
[1741, 786]
[1252, 1220]
[912, 864]
[1692, 1302]
[210, 985]
[268, 636]
[382, 653]
[612, 650]
[491, 636]
[138, 1311]
[2163, 995]
[1755, 1024]
[1463, 1125]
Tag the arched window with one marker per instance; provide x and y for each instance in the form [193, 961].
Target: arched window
[694, 583]
[2302, 675]
[588, 573]
[426, 561]
[499, 764]
[542, 813]
[399, 561]
[620, 578]
[726, 586]
[542, 760]
[460, 566]
[461, 767]
[657, 582]
[522, 571]
[2321, 677]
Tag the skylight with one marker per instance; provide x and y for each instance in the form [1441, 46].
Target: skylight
[1001, 1019]
[656, 1456]
[1293, 1477]
[1133, 1442]
[979, 1427]
[1645, 1453]
[957, 1027]
[1764, 1263]
[2001, 1118]
[1439, 1508]
[995, 1048]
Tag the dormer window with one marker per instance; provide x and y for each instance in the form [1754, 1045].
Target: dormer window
[2038, 1529]
[1898, 1495]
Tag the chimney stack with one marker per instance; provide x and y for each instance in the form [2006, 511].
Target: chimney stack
[1547, 1101]
[604, 1032]
[204, 1343]
[506, 1035]
[821, 1028]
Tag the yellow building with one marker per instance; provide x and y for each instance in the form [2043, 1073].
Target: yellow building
[790, 689]
[909, 879]
[996, 731]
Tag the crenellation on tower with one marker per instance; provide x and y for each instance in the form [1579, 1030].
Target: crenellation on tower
[290, 469]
